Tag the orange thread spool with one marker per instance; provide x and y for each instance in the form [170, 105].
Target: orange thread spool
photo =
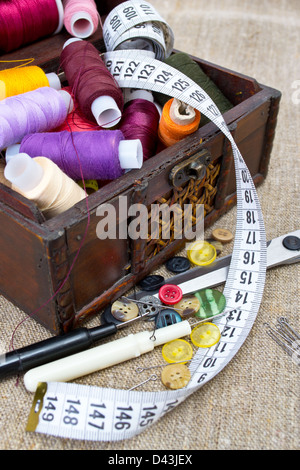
[169, 131]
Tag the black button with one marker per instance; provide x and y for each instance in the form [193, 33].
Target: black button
[151, 283]
[178, 264]
[291, 242]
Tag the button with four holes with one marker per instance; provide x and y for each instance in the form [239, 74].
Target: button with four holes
[178, 264]
[175, 376]
[170, 294]
[124, 310]
[222, 235]
[187, 306]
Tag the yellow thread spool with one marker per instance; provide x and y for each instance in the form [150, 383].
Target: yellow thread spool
[20, 80]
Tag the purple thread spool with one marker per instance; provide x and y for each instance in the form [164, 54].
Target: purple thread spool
[91, 155]
[35, 111]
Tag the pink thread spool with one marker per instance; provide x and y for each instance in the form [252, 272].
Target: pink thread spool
[81, 18]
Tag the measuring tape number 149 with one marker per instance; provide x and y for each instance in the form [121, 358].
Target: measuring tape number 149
[99, 409]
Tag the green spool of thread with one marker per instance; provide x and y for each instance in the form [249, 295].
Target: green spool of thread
[185, 64]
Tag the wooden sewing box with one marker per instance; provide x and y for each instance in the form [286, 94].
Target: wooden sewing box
[39, 257]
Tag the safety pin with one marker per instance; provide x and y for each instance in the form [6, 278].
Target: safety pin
[283, 321]
[139, 370]
[152, 377]
[210, 318]
[160, 307]
[273, 333]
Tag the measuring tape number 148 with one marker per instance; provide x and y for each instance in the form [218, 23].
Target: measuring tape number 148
[98, 410]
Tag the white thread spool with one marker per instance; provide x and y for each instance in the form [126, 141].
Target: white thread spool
[40, 180]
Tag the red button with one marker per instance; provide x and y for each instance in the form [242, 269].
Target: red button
[170, 294]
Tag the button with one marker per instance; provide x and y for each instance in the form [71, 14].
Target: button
[124, 310]
[90, 185]
[178, 350]
[152, 282]
[178, 264]
[218, 245]
[212, 302]
[106, 317]
[291, 242]
[202, 253]
[205, 335]
[150, 310]
[167, 317]
[170, 294]
[222, 235]
[187, 306]
[175, 376]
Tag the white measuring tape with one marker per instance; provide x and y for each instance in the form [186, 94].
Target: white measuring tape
[106, 414]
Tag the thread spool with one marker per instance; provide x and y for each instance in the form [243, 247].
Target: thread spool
[81, 17]
[23, 22]
[41, 181]
[140, 120]
[97, 93]
[94, 155]
[35, 111]
[76, 120]
[185, 64]
[3, 180]
[16, 81]
[177, 121]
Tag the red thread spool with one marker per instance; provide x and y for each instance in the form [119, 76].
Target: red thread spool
[89, 79]
[76, 121]
[23, 22]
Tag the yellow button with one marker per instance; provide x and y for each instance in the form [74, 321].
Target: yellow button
[175, 376]
[177, 350]
[201, 253]
[205, 335]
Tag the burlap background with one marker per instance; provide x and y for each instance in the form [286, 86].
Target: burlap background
[254, 402]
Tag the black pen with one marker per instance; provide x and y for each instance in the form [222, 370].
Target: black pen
[57, 347]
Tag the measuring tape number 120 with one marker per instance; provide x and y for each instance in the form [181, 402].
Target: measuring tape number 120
[99, 409]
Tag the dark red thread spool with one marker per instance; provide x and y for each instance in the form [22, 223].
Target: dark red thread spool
[140, 120]
[89, 79]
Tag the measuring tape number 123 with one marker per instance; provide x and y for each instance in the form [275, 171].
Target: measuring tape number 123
[245, 282]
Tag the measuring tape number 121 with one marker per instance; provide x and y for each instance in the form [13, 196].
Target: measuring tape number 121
[243, 289]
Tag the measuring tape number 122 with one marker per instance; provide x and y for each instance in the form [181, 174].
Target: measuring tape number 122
[98, 409]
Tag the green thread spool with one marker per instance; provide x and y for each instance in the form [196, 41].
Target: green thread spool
[185, 64]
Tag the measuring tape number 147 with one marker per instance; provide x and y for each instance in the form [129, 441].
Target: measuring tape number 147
[98, 410]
